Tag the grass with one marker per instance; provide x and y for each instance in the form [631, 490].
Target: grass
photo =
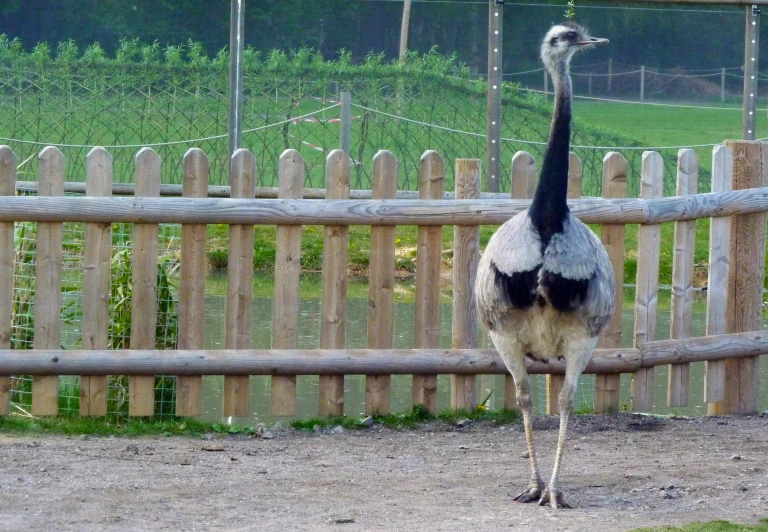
[101, 426]
[711, 526]
[408, 420]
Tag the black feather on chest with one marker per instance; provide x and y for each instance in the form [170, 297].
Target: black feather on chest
[521, 290]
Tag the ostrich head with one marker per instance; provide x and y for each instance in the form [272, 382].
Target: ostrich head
[562, 41]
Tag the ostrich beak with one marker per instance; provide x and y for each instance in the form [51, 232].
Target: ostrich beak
[589, 41]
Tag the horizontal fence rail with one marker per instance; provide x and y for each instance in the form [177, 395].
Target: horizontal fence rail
[370, 212]
[193, 362]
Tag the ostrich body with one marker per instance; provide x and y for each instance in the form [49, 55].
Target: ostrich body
[545, 287]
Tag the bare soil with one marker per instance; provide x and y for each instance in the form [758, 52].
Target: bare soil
[621, 472]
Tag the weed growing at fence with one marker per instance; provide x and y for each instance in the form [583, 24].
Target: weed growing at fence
[418, 415]
[72, 425]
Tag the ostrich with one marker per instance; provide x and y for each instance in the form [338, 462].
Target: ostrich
[545, 287]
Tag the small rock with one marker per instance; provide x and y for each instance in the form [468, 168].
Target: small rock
[185, 461]
[317, 429]
[735, 457]
[338, 429]
[722, 422]
[463, 423]
[268, 435]
[132, 448]
[670, 494]
[742, 488]
[525, 455]
[85, 437]
[367, 422]
[343, 520]
[576, 447]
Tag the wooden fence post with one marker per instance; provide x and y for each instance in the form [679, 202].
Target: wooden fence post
[745, 278]
[285, 328]
[7, 188]
[682, 278]
[426, 332]
[381, 283]
[466, 256]
[523, 186]
[554, 383]
[239, 284]
[333, 320]
[96, 281]
[141, 389]
[45, 389]
[647, 290]
[717, 285]
[607, 396]
[192, 282]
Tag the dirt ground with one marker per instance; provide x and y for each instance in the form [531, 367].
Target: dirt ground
[621, 472]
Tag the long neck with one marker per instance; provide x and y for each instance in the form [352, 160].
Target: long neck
[549, 208]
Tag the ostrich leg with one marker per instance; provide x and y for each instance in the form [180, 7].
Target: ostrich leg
[574, 367]
[536, 485]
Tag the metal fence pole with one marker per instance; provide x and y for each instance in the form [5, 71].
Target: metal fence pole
[751, 44]
[236, 37]
[345, 131]
[493, 163]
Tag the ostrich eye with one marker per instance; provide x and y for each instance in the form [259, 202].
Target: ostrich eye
[571, 35]
[553, 41]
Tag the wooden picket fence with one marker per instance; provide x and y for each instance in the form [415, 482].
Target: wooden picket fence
[731, 348]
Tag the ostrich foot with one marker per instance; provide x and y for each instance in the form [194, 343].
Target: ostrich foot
[530, 495]
[558, 501]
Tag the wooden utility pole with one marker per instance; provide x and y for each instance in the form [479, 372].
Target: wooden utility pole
[751, 47]
[404, 30]
[493, 174]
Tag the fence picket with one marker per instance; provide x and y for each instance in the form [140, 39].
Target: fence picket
[192, 283]
[285, 329]
[523, 187]
[717, 284]
[426, 332]
[96, 282]
[682, 278]
[7, 188]
[141, 389]
[45, 389]
[466, 256]
[239, 284]
[745, 279]
[612, 236]
[554, 382]
[333, 320]
[647, 291]
[381, 282]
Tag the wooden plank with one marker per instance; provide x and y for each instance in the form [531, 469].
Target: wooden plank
[333, 321]
[285, 328]
[555, 382]
[466, 256]
[370, 212]
[366, 361]
[141, 389]
[647, 288]
[192, 283]
[7, 188]
[239, 284]
[96, 282]
[426, 332]
[381, 283]
[682, 278]
[607, 398]
[45, 390]
[717, 285]
[523, 186]
[745, 278]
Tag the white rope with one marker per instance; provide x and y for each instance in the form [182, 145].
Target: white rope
[533, 142]
[173, 142]
[634, 102]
